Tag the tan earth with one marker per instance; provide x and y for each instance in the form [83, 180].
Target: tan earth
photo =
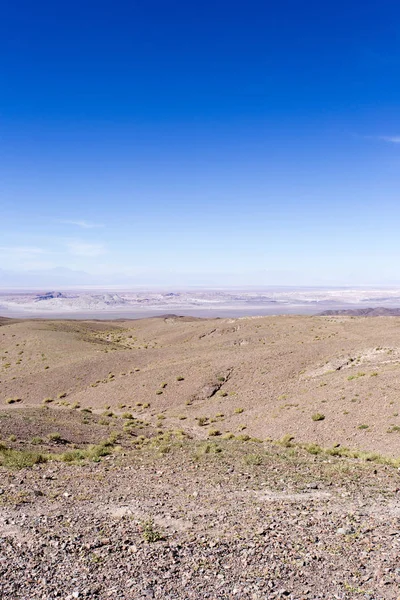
[263, 376]
[179, 458]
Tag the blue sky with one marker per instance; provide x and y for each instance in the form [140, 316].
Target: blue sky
[178, 143]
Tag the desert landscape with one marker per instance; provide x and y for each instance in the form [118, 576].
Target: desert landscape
[106, 304]
[252, 457]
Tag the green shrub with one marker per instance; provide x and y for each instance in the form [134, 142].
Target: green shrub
[149, 532]
[254, 459]
[17, 459]
[318, 417]
[286, 440]
[243, 437]
[214, 432]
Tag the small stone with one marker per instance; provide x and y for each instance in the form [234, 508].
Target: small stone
[312, 486]
[345, 531]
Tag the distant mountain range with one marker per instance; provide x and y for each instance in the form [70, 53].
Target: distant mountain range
[379, 311]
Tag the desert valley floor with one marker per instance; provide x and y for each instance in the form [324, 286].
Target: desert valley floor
[177, 457]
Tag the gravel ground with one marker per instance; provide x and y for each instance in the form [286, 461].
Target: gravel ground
[201, 520]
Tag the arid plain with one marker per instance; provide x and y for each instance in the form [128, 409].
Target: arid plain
[267, 376]
[170, 453]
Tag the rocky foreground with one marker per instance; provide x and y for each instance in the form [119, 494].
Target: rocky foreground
[194, 520]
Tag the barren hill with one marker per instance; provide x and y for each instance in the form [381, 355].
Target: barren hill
[379, 311]
[263, 377]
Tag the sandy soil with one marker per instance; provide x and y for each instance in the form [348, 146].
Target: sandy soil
[272, 373]
[176, 458]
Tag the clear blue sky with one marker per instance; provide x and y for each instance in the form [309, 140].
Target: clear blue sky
[176, 142]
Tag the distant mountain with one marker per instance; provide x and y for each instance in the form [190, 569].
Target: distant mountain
[379, 311]
[49, 296]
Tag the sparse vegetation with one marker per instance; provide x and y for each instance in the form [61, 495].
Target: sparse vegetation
[254, 459]
[149, 532]
[318, 417]
[213, 432]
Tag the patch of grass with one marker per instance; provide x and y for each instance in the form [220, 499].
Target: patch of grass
[313, 448]
[243, 437]
[180, 378]
[214, 432]
[286, 441]
[359, 374]
[318, 417]
[108, 413]
[47, 400]
[159, 392]
[54, 437]
[18, 459]
[228, 436]
[209, 448]
[36, 440]
[254, 459]
[149, 533]
[61, 395]
[202, 421]
[344, 452]
[363, 426]
[93, 453]
[238, 411]
[394, 428]
[127, 415]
